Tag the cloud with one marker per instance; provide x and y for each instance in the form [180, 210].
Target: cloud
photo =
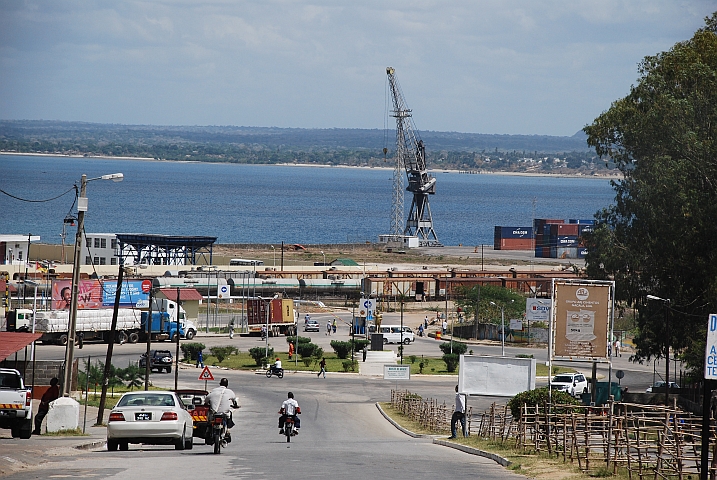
[523, 66]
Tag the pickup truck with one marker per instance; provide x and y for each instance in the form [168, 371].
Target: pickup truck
[15, 404]
[158, 360]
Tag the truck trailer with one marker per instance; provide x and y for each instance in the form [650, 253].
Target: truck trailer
[91, 325]
[281, 319]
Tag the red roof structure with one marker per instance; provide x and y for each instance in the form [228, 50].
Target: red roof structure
[184, 294]
[11, 342]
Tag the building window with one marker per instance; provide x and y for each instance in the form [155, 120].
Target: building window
[113, 261]
[88, 260]
[104, 243]
[97, 261]
[103, 261]
[113, 243]
[97, 243]
[88, 242]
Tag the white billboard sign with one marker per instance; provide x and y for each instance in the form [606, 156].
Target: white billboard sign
[537, 309]
[495, 376]
[396, 372]
[516, 324]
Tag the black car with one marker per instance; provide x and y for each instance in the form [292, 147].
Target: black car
[159, 360]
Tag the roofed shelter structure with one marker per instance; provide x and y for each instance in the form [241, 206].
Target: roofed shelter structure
[189, 297]
[165, 249]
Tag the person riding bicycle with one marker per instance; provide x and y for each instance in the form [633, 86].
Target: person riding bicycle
[221, 400]
[290, 408]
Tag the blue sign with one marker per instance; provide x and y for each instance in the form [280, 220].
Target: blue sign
[131, 296]
[711, 348]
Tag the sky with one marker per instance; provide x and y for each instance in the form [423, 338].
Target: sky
[533, 67]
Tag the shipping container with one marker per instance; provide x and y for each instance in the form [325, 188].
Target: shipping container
[582, 221]
[567, 252]
[582, 252]
[538, 252]
[516, 244]
[513, 232]
[566, 241]
[584, 229]
[567, 229]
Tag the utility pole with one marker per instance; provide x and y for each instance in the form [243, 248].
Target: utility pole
[110, 344]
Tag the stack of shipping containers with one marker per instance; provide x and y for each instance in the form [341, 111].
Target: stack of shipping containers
[558, 239]
[513, 238]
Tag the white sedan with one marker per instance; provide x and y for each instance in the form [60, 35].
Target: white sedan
[154, 418]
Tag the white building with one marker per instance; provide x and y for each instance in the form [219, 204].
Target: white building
[99, 249]
[14, 248]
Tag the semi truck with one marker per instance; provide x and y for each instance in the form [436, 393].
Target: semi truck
[281, 319]
[95, 325]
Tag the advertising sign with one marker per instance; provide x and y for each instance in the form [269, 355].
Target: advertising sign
[537, 309]
[477, 375]
[134, 293]
[711, 348]
[516, 324]
[89, 294]
[396, 372]
[581, 319]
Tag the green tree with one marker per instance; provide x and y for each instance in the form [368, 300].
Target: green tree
[475, 303]
[658, 237]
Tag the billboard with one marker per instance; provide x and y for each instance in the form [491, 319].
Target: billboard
[581, 319]
[89, 294]
[134, 293]
[495, 376]
[537, 309]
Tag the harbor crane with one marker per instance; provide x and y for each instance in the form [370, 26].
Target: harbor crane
[411, 156]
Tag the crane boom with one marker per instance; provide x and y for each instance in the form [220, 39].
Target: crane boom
[411, 156]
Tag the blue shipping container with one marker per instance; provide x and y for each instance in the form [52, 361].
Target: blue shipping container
[513, 232]
[567, 252]
[582, 252]
[582, 221]
[567, 241]
[583, 229]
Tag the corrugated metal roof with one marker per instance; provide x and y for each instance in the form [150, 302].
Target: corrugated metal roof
[184, 294]
[11, 342]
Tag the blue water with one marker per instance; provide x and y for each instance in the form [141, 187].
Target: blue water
[270, 204]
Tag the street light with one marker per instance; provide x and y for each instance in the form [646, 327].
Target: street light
[81, 209]
[502, 327]
[666, 308]
[322, 253]
[274, 252]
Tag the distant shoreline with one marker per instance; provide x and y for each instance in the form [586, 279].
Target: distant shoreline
[444, 170]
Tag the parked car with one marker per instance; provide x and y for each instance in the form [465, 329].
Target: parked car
[153, 418]
[660, 385]
[574, 383]
[15, 404]
[311, 326]
[159, 360]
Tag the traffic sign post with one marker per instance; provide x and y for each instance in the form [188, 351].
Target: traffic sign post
[206, 375]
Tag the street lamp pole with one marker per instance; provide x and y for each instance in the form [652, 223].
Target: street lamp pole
[322, 253]
[81, 209]
[666, 308]
[273, 250]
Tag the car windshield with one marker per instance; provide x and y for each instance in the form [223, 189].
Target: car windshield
[563, 379]
[146, 398]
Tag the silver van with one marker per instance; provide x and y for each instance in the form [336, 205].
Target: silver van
[392, 333]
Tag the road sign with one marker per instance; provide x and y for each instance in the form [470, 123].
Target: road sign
[368, 305]
[620, 374]
[711, 348]
[223, 292]
[146, 286]
[206, 374]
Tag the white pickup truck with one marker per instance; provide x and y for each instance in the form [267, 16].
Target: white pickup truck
[15, 404]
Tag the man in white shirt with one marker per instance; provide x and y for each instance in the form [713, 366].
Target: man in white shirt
[220, 400]
[459, 414]
[290, 408]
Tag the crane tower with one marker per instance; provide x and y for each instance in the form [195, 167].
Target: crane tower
[411, 156]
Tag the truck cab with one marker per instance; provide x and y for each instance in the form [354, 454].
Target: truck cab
[15, 404]
[19, 320]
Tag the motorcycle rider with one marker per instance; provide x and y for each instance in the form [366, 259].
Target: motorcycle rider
[221, 400]
[277, 366]
[290, 408]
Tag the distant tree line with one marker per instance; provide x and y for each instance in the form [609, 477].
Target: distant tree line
[255, 145]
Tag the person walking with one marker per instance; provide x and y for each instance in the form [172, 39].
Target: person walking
[231, 329]
[425, 322]
[328, 327]
[459, 414]
[333, 326]
[291, 350]
[444, 327]
[322, 364]
[52, 393]
[200, 359]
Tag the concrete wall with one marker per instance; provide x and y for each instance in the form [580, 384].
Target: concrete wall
[44, 371]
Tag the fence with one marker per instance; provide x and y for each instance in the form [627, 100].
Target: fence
[648, 441]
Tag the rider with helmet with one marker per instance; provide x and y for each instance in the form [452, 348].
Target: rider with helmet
[221, 400]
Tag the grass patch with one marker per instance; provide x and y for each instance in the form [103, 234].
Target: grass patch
[531, 464]
[73, 432]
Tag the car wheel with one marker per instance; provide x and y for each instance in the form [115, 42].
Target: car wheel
[63, 340]
[406, 341]
[133, 337]
[14, 432]
[188, 443]
[124, 446]
[179, 444]
[26, 430]
[169, 369]
[190, 334]
[112, 445]
[385, 341]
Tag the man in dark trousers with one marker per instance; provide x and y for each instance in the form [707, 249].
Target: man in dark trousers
[459, 415]
[52, 393]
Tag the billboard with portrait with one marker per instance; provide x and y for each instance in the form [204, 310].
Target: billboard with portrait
[134, 293]
[581, 320]
[89, 294]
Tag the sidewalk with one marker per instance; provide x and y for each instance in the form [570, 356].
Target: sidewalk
[20, 454]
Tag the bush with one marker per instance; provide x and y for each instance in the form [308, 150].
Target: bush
[342, 349]
[292, 339]
[539, 396]
[349, 365]
[452, 360]
[458, 348]
[309, 351]
[412, 358]
[223, 352]
[190, 350]
[360, 344]
[259, 355]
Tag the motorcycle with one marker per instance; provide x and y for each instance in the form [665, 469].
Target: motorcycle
[217, 434]
[289, 429]
[279, 372]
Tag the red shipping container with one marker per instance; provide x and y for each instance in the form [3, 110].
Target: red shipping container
[517, 244]
[568, 229]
